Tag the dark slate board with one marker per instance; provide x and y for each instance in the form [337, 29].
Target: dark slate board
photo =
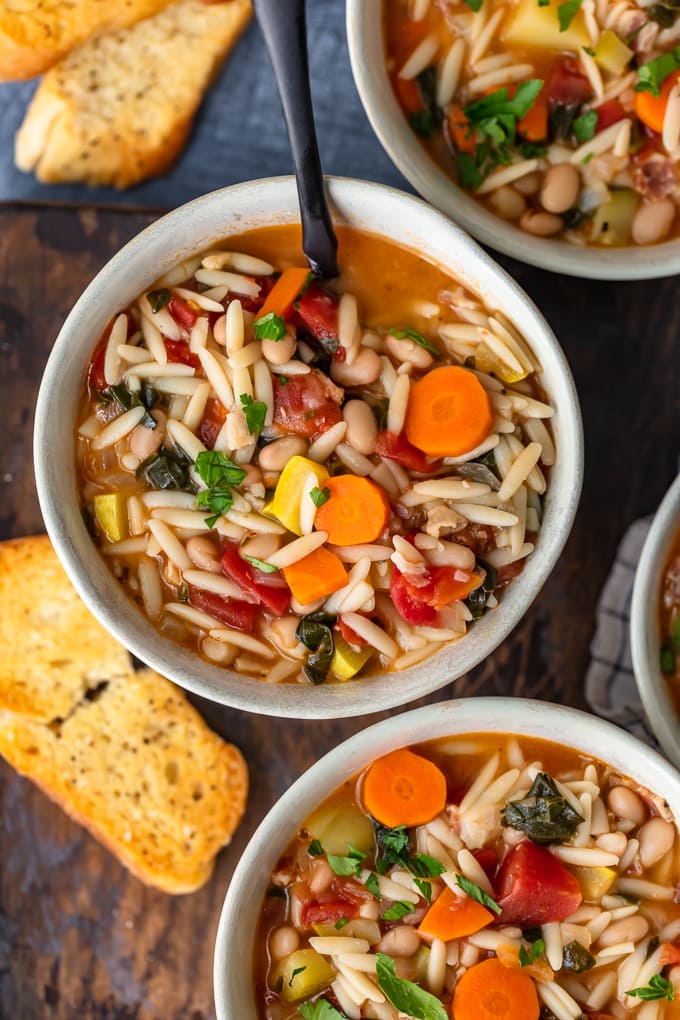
[239, 133]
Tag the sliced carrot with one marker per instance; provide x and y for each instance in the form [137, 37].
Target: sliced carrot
[404, 789]
[490, 991]
[315, 576]
[282, 295]
[534, 125]
[408, 94]
[356, 512]
[453, 585]
[464, 139]
[538, 969]
[448, 412]
[650, 109]
[669, 953]
[454, 917]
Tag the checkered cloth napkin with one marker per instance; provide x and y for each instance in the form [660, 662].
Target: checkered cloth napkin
[610, 684]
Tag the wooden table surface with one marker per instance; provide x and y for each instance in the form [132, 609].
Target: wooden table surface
[78, 936]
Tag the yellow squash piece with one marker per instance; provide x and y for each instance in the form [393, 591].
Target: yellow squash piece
[346, 663]
[611, 53]
[110, 509]
[338, 825]
[539, 27]
[487, 361]
[613, 220]
[595, 882]
[359, 928]
[285, 504]
[302, 974]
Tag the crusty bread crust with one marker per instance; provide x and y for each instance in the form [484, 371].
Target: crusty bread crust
[33, 37]
[142, 772]
[119, 108]
[53, 648]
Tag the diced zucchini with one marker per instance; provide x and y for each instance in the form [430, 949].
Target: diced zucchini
[595, 882]
[358, 928]
[539, 27]
[611, 53]
[346, 663]
[336, 826]
[285, 504]
[422, 960]
[110, 510]
[613, 220]
[302, 974]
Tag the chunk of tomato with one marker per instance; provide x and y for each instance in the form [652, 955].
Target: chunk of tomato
[327, 908]
[230, 612]
[306, 405]
[488, 861]
[566, 84]
[534, 887]
[317, 311]
[395, 446]
[96, 379]
[408, 604]
[269, 590]
[213, 419]
[609, 113]
[253, 304]
[350, 635]
[182, 312]
[180, 354]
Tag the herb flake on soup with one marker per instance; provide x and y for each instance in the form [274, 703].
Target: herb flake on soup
[563, 117]
[476, 878]
[313, 482]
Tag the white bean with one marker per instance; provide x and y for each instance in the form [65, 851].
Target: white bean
[364, 370]
[653, 221]
[362, 428]
[203, 553]
[627, 929]
[407, 350]
[508, 203]
[541, 224]
[322, 876]
[528, 185]
[283, 941]
[144, 441]
[401, 941]
[560, 189]
[278, 352]
[656, 838]
[625, 803]
[276, 455]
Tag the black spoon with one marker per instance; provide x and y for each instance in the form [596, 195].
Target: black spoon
[284, 29]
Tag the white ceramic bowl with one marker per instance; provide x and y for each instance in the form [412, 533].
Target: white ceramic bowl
[367, 55]
[238, 922]
[191, 229]
[644, 624]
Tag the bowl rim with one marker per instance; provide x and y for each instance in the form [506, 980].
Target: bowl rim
[644, 624]
[364, 35]
[72, 349]
[522, 716]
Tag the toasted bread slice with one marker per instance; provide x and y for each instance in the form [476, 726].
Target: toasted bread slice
[119, 108]
[34, 36]
[138, 767]
[54, 650]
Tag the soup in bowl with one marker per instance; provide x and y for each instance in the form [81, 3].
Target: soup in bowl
[469, 859]
[304, 482]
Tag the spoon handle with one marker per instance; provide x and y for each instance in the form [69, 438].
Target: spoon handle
[284, 29]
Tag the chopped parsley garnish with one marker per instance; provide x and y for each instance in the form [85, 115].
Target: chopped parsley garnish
[159, 299]
[651, 76]
[589, 50]
[424, 888]
[392, 847]
[269, 327]
[584, 126]
[399, 909]
[493, 122]
[544, 814]
[298, 970]
[412, 334]
[371, 884]
[341, 922]
[566, 13]
[472, 890]
[406, 996]
[474, 5]
[528, 956]
[658, 988]
[266, 568]
[315, 848]
[423, 123]
[424, 865]
[219, 474]
[255, 412]
[320, 1010]
[349, 865]
[319, 496]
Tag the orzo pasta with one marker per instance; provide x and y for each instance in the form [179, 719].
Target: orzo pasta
[563, 117]
[306, 482]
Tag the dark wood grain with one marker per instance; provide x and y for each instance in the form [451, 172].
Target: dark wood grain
[78, 936]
